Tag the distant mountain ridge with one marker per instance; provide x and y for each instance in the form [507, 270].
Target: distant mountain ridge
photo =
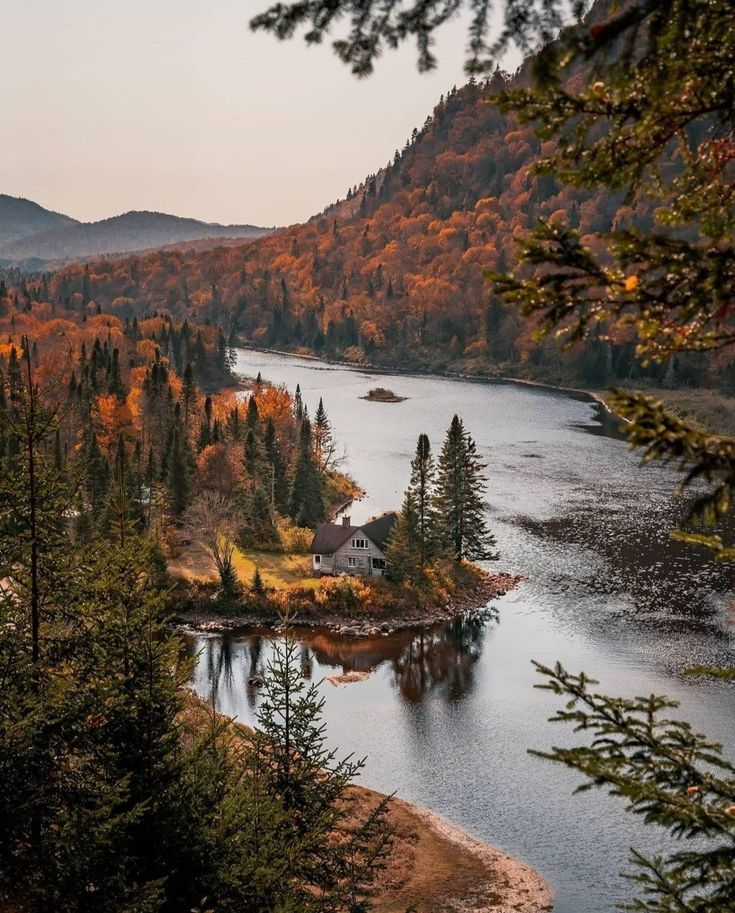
[21, 218]
[28, 232]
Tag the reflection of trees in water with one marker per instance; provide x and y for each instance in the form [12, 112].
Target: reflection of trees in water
[306, 662]
[218, 658]
[441, 659]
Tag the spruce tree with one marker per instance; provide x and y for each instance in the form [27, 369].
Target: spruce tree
[252, 415]
[422, 480]
[178, 470]
[324, 443]
[403, 553]
[334, 855]
[276, 481]
[306, 501]
[458, 501]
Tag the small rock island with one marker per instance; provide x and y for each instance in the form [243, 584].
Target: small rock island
[382, 395]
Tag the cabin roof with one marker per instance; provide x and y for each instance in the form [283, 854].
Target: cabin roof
[379, 529]
[328, 537]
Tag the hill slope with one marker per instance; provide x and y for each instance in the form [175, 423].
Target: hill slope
[119, 234]
[20, 218]
[394, 274]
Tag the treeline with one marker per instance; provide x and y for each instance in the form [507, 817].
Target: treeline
[394, 273]
[121, 793]
[146, 443]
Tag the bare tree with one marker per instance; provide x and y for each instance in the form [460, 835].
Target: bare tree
[211, 520]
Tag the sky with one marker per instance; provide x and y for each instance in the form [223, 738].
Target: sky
[175, 106]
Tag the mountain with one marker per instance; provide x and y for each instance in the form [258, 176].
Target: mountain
[394, 274]
[132, 231]
[21, 218]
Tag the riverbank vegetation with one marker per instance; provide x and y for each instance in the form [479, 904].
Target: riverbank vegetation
[440, 531]
[148, 444]
[110, 803]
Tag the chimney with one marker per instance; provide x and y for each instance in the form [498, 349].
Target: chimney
[346, 520]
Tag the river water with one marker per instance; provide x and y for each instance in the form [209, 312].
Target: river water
[446, 717]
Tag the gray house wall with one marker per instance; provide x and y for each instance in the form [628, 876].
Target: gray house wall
[339, 562]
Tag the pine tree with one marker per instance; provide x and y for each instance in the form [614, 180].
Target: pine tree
[252, 416]
[334, 856]
[178, 470]
[422, 480]
[458, 501]
[324, 443]
[188, 393]
[276, 480]
[665, 771]
[403, 553]
[306, 501]
[298, 404]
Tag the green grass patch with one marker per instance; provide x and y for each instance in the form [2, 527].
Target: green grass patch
[280, 571]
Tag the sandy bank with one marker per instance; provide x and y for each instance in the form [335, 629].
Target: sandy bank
[441, 869]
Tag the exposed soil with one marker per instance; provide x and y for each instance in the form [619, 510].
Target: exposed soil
[432, 864]
[440, 869]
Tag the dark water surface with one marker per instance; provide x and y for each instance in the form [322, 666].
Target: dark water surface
[446, 717]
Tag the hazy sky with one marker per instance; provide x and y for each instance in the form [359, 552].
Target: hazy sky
[175, 105]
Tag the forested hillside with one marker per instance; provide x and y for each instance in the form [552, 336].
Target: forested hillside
[394, 273]
[149, 407]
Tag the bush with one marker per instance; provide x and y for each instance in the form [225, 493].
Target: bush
[294, 540]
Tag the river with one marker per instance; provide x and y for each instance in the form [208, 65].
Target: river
[446, 717]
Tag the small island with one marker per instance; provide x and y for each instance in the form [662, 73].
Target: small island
[383, 395]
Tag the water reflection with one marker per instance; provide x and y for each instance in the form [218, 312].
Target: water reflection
[440, 660]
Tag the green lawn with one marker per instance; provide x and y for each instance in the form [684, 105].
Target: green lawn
[277, 570]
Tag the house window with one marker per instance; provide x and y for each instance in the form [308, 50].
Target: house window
[379, 564]
[360, 543]
[352, 562]
[317, 559]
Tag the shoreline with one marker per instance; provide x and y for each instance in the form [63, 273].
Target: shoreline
[510, 885]
[490, 587]
[688, 403]
[393, 370]
[433, 865]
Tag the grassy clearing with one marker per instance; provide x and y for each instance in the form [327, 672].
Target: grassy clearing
[280, 571]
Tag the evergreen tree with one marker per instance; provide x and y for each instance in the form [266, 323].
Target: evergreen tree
[252, 416]
[178, 470]
[333, 858]
[324, 443]
[403, 553]
[458, 501]
[306, 501]
[298, 404]
[188, 393]
[422, 479]
[674, 777]
[276, 480]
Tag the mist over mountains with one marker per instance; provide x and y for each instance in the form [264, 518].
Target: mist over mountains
[36, 238]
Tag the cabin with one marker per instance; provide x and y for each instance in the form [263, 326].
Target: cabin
[340, 548]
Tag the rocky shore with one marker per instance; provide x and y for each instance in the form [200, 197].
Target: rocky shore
[487, 588]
